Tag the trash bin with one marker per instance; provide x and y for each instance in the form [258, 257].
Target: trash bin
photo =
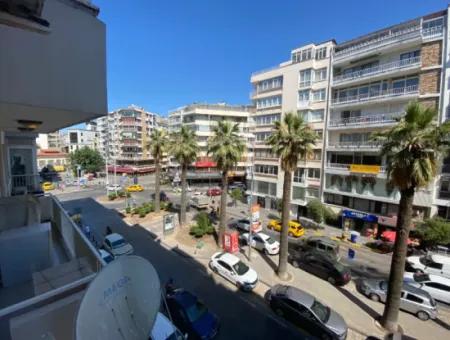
[354, 236]
[351, 254]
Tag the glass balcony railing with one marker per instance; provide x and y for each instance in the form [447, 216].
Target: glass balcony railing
[376, 70]
[377, 95]
[365, 144]
[385, 118]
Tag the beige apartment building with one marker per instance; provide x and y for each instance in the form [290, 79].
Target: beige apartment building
[201, 118]
[298, 85]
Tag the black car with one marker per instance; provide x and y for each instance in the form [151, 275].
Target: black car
[191, 316]
[162, 196]
[321, 265]
[306, 312]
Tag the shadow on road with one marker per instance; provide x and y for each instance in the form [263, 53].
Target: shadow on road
[349, 295]
[443, 324]
[269, 261]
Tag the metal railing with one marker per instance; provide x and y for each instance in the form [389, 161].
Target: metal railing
[24, 184]
[432, 32]
[379, 69]
[384, 118]
[365, 144]
[390, 93]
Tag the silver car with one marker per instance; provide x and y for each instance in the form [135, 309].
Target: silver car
[413, 300]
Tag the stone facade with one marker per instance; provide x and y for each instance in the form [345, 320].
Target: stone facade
[431, 53]
[429, 102]
[430, 81]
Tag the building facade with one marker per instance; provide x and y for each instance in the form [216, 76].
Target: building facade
[201, 118]
[346, 91]
[52, 140]
[298, 85]
[75, 139]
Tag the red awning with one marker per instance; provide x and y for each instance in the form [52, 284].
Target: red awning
[205, 164]
[389, 236]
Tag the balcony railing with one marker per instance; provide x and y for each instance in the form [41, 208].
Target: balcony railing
[366, 120]
[341, 166]
[365, 144]
[379, 69]
[367, 97]
[269, 89]
[24, 184]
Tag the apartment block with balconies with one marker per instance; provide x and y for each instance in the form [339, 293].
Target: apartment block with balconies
[202, 118]
[299, 85]
[373, 78]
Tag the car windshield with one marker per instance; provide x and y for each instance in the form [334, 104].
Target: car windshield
[241, 268]
[321, 311]
[108, 258]
[425, 260]
[118, 243]
[270, 240]
[195, 311]
[421, 277]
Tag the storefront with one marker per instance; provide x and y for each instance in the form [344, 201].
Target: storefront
[366, 224]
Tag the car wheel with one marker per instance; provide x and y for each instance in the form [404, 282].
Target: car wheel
[423, 315]
[295, 264]
[331, 280]
[374, 297]
[279, 312]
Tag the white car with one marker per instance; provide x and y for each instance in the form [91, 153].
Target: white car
[107, 257]
[113, 187]
[234, 270]
[262, 242]
[243, 224]
[431, 264]
[117, 246]
[437, 286]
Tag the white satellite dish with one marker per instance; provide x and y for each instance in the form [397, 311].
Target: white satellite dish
[121, 302]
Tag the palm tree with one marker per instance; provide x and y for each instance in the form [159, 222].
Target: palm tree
[159, 142]
[184, 148]
[412, 149]
[291, 140]
[226, 148]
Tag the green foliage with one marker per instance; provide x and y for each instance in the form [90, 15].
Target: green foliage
[315, 210]
[236, 195]
[159, 143]
[330, 217]
[112, 196]
[89, 159]
[203, 226]
[128, 194]
[279, 205]
[128, 210]
[184, 145]
[166, 205]
[148, 207]
[434, 231]
[121, 194]
[136, 210]
[142, 212]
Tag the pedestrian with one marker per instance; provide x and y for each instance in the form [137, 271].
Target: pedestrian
[108, 230]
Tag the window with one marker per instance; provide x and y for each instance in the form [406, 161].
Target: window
[305, 78]
[306, 54]
[266, 169]
[298, 175]
[320, 74]
[409, 55]
[314, 173]
[262, 136]
[433, 23]
[267, 120]
[269, 84]
[298, 193]
[319, 95]
[224, 265]
[316, 116]
[268, 102]
[319, 133]
[321, 53]
[414, 298]
[302, 55]
[437, 285]
[303, 96]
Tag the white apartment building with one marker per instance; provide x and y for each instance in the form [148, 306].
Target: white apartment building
[201, 118]
[52, 140]
[298, 85]
[75, 139]
[373, 79]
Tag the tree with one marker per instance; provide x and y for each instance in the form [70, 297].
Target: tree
[412, 148]
[203, 226]
[89, 159]
[434, 231]
[184, 148]
[226, 148]
[159, 142]
[291, 140]
[236, 195]
[315, 210]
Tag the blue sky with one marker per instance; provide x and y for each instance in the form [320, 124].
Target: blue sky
[165, 54]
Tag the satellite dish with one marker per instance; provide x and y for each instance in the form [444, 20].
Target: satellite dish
[121, 302]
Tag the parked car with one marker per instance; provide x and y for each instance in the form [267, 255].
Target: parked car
[243, 225]
[321, 244]
[214, 191]
[237, 185]
[191, 316]
[200, 202]
[113, 187]
[437, 286]
[107, 257]
[306, 312]
[431, 264]
[321, 265]
[135, 188]
[162, 196]
[413, 300]
[116, 245]
[262, 242]
[295, 228]
[234, 270]
[47, 186]
[163, 329]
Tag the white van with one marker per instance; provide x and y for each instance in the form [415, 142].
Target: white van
[431, 264]
[163, 329]
[437, 286]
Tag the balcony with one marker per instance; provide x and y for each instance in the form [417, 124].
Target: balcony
[24, 184]
[382, 69]
[348, 167]
[364, 121]
[359, 145]
[393, 93]
[267, 90]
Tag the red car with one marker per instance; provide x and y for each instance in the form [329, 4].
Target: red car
[214, 192]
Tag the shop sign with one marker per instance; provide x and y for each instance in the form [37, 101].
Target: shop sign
[365, 169]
